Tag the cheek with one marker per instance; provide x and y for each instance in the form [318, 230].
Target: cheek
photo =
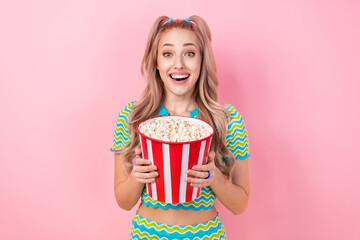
[196, 63]
[163, 65]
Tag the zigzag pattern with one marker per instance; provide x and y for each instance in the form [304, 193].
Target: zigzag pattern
[205, 201]
[121, 133]
[176, 228]
[143, 228]
[237, 139]
[137, 235]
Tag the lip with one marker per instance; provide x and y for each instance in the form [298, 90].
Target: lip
[179, 73]
[179, 82]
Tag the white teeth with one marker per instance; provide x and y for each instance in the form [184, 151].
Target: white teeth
[179, 76]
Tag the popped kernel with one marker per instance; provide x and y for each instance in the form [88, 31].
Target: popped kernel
[174, 130]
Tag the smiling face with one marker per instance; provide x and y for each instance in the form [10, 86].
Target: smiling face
[179, 62]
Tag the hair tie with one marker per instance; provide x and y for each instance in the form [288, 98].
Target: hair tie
[185, 19]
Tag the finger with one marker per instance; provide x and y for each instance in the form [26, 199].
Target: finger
[206, 167]
[199, 185]
[140, 161]
[149, 180]
[197, 180]
[211, 156]
[198, 173]
[138, 151]
[144, 169]
[146, 175]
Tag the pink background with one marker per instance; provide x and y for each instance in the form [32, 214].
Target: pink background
[291, 68]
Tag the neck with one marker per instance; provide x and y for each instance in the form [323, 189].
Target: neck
[179, 106]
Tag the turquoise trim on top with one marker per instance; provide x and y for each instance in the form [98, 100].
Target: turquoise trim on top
[164, 112]
[205, 201]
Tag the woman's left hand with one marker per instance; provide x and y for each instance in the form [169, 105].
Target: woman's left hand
[200, 172]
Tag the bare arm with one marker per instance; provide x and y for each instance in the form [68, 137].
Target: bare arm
[234, 193]
[128, 185]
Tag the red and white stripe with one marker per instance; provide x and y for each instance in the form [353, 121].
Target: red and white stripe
[172, 161]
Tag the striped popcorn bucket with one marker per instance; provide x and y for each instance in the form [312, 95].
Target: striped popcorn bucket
[172, 160]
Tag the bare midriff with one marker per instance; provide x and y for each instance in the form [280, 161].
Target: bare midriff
[176, 216]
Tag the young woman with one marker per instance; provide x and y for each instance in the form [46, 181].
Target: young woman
[180, 71]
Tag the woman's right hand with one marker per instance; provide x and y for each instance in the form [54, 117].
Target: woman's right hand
[143, 171]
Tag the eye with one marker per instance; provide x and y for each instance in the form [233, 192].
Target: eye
[166, 54]
[191, 54]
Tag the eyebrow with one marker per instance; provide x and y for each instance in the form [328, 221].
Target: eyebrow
[184, 45]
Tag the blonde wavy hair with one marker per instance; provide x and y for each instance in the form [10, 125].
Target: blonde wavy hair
[206, 90]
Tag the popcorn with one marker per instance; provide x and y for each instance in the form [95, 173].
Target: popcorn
[174, 129]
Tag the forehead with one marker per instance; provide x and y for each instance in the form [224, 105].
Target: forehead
[178, 37]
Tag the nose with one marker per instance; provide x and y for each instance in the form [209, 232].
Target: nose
[179, 62]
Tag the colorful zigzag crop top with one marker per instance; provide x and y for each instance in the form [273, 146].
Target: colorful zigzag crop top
[236, 140]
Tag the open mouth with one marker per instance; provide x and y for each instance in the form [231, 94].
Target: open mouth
[179, 77]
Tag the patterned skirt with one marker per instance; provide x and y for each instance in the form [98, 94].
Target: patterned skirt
[143, 228]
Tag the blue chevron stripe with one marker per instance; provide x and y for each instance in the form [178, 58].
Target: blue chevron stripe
[236, 123]
[237, 140]
[235, 130]
[242, 157]
[143, 228]
[120, 134]
[121, 116]
[238, 134]
[204, 201]
[121, 122]
[112, 149]
[238, 147]
[124, 132]
[121, 142]
[127, 109]
[234, 141]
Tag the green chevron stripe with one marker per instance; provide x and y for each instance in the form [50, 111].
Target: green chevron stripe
[118, 147]
[145, 235]
[230, 108]
[242, 153]
[234, 127]
[237, 117]
[213, 236]
[236, 136]
[208, 196]
[242, 144]
[120, 138]
[123, 112]
[207, 202]
[177, 228]
[122, 123]
[121, 129]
